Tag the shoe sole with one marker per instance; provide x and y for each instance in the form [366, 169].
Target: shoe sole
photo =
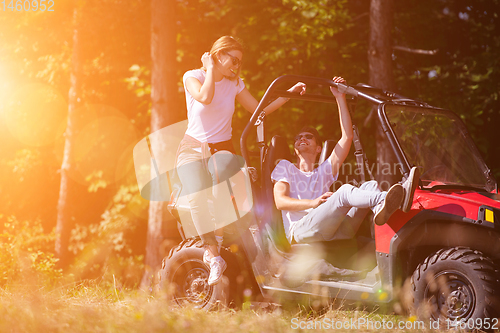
[408, 200]
[392, 202]
[220, 277]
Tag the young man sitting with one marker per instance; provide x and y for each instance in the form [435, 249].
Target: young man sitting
[310, 212]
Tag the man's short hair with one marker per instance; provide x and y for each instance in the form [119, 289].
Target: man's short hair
[313, 131]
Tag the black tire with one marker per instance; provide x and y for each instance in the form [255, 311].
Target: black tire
[453, 285]
[184, 276]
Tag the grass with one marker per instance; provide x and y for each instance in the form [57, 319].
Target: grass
[90, 307]
[36, 297]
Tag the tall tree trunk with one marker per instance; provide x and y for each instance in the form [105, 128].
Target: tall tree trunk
[380, 46]
[381, 76]
[164, 112]
[70, 189]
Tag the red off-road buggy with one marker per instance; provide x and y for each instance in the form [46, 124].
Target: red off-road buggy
[446, 249]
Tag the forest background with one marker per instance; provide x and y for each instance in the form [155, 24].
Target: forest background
[443, 52]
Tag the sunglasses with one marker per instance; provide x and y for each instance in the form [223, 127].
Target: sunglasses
[236, 61]
[307, 136]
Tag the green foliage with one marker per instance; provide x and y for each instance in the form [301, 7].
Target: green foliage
[294, 37]
[463, 76]
[104, 249]
[37, 48]
[139, 82]
[26, 253]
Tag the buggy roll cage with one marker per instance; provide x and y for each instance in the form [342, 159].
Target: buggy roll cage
[374, 95]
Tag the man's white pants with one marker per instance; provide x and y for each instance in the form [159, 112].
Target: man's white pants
[340, 216]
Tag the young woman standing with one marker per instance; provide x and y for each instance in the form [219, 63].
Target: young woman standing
[206, 154]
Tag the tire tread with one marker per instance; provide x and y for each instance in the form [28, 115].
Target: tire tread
[483, 265]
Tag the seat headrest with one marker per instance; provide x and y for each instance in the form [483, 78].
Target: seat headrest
[278, 150]
[328, 146]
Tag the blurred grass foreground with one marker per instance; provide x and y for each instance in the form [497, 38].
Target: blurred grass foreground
[93, 307]
[102, 295]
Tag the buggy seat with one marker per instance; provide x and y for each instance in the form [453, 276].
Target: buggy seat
[272, 219]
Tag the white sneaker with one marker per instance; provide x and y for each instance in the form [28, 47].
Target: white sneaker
[409, 185]
[391, 203]
[207, 257]
[217, 268]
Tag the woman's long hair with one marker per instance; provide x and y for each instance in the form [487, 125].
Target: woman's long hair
[226, 44]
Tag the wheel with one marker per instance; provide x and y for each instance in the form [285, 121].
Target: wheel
[184, 278]
[455, 285]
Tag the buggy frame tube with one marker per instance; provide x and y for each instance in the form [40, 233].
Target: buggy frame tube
[274, 92]
[391, 136]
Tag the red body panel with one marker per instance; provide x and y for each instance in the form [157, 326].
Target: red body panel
[460, 203]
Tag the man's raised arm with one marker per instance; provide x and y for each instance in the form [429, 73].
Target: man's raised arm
[343, 146]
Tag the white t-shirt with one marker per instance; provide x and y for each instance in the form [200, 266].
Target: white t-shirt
[212, 122]
[303, 185]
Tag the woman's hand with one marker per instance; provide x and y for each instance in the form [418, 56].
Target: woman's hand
[207, 60]
[334, 90]
[299, 88]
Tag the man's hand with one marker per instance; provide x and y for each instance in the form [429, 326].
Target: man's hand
[319, 200]
[334, 90]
